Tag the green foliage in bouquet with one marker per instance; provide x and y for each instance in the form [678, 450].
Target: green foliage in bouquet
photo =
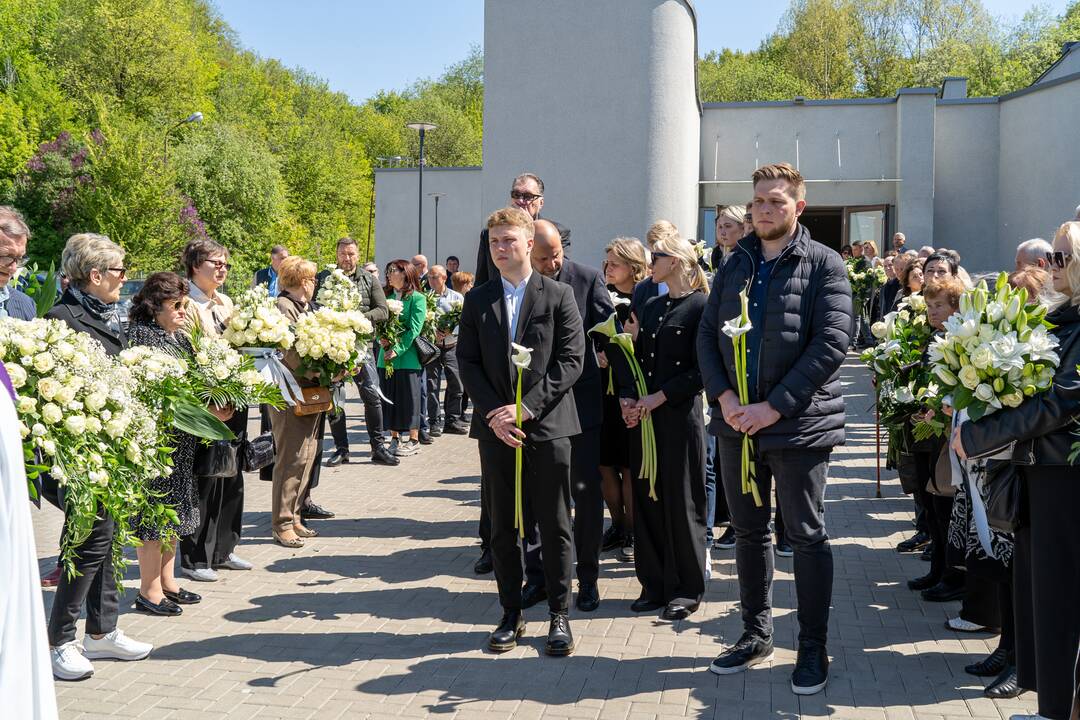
[221, 376]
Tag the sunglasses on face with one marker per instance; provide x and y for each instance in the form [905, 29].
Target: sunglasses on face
[527, 197]
[121, 272]
[658, 255]
[1058, 259]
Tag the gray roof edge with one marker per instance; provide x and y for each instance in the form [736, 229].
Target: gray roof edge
[805, 103]
[429, 168]
[968, 101]
[1071, 77]
[917, 91]
[1067, 48]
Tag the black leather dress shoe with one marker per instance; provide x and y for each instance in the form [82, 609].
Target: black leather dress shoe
[183, 597]
[456, 428]
[311, 511]
[532, 594]
[943, 592]
[484, 565]
[382, 456]
[677, 610]
[339, 456]
[560, 641]
[923, 583]
[588, 597]
[506, 635]
[994, 664]
[425, 438]
[644, 604]
[1004, 686]
[166, 607]
[916, 542]
[435, 431]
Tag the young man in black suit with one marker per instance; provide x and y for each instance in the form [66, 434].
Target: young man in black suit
[594, 306]
[524, 307]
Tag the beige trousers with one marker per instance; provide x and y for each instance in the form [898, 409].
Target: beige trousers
[296, 440]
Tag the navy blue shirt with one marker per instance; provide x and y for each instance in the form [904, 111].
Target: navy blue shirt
[758, 296]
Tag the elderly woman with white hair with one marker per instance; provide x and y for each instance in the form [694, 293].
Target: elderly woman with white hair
[95, 265]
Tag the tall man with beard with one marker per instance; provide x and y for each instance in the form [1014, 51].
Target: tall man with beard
[801, 315]
[524, 307]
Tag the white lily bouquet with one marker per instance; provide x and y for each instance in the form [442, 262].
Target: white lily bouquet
[995, 352]
[736, 329]
[221, 376]
[625, 342]
[337, 291]
[331, 342]
[256, 322]
[390, 330]
[521, 357]
[82, 421]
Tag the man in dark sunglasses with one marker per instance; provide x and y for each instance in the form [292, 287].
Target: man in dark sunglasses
[13, 236]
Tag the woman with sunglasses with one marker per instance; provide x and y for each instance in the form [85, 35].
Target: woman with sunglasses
[95, 265]
[669, 555]
[221, 500]
[1046, 560]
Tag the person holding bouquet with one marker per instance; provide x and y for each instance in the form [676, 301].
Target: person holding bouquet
[446, 416]
[669, 510]
[95, 266]
[402, 383]
[1046, 561]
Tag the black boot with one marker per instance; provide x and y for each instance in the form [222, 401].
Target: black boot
[559, 641]
[505, 636]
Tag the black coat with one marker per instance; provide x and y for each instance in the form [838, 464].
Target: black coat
[549, 323]
[1044, 425]
[485, 266]
[806, 334]
[594, 306]
[262, 277]
[644, 291]
[75, 315]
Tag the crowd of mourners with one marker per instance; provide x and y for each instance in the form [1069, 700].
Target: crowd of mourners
[592, 376]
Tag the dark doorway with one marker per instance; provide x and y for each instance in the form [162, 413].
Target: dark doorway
[826, 225]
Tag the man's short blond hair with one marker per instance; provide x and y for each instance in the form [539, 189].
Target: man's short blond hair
[514, 217]
[782, 171]
[295, 270]
[660, 230]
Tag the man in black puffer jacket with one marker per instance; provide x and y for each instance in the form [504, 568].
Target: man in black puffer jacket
[801, 312]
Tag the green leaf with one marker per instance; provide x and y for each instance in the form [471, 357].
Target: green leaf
[198, 421]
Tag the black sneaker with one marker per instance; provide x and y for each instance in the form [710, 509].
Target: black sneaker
[749, 651]
[626, 554]
[811, 670]
[725, 541]
[425, 438]
[916, 542]
[782, 548]
[612, 539]
[457, 427]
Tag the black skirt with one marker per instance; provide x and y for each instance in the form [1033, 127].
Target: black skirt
[614, 435]
[402, 413]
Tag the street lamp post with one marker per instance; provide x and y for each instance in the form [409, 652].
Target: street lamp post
[195, 117]
[436, 195]
[422, 128]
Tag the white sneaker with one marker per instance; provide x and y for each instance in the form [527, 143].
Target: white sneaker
[200, 574]
[235, 562]
[116, 646]
[708, 565]
[959, 624]
[68, 662]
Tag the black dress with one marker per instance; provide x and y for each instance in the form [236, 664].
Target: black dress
[614, 435]
[669, 556]
[178, 489]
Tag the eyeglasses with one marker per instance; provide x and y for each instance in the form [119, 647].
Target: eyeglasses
[17, 261]
[121, 272]
[393, 269]
[220, 264]
[1058, 259]
[527, 197]
[177, 305]
[656, 255]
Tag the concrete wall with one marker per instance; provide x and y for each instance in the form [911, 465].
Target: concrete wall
[459, 214]
[1068, 64]
[1039, 163]
[599, 100]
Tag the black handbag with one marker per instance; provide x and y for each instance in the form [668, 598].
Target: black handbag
[426, 351]
[1001, 493]
[258, 453]
[218, 459]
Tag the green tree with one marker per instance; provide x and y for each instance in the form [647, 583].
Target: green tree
[732, 76]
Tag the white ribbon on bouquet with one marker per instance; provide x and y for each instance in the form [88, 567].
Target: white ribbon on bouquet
[268, 364]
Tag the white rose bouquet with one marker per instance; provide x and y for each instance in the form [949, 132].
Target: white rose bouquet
[995, 352]
[221, 376]
[337, 291]
[389, 331]
[84, 422]
[447, 320]
[331, 342]
[256, 322]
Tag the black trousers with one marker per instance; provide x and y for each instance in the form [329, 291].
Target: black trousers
[1046, 584]
[938, 512]
[449, 408]
[96, 586]
[221, 514]
[367, 382]
[546, 485]
[800, 476]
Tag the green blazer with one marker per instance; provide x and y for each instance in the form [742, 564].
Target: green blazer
[412, 318]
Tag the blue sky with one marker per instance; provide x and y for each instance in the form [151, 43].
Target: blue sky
[362, 46]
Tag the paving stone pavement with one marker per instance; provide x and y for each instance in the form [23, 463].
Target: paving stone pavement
[382, 616]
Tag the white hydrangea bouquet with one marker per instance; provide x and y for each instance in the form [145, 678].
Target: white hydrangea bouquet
[995, 352]
[219, 375]
[332, 342]
[390, 330]
[337, 291]
[256, 322]
[84, 421]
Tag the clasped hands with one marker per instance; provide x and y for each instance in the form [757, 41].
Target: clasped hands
[749, 419]
[503, 422]
[634, 410]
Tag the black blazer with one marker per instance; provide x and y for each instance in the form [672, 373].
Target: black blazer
[549, 323]
[594, 306]
[262, 277]
[74, 314]
[485, 266]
